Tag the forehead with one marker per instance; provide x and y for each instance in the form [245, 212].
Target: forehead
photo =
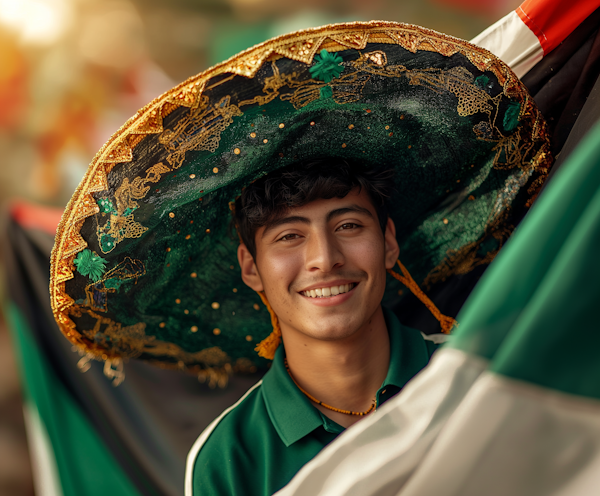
[322, 206]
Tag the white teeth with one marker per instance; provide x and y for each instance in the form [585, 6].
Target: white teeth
[330, 291]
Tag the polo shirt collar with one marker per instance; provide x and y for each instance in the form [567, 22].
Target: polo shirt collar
[408, 351]
[292, 413]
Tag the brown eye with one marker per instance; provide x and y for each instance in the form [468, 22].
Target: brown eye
[348, 225]
[288, 237]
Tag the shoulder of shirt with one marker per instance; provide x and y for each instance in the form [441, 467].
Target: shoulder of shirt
[201, 441]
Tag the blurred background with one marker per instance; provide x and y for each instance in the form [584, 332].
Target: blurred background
[73, 71]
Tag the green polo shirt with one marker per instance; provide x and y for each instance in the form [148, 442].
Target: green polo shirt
[257, 446]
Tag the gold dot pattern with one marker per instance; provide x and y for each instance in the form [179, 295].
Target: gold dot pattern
[178, 301]
[253, 135]
[194, 329]
[237, 151]
[215, 169]
[256, 307]
[215, 305]
[171, 214]
[216, 331]
[248, 338]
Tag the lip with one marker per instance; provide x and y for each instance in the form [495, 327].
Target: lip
[330, 301]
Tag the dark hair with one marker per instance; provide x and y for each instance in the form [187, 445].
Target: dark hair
[298, 184]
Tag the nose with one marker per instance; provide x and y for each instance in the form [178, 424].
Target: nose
[323, 253]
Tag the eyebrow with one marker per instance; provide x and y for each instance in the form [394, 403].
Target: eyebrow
[305, 220]
[348, 210]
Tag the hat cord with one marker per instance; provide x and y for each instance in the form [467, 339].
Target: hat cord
[446, 322]
[267, 347]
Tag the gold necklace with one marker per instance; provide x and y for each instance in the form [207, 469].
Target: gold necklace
[332, 408]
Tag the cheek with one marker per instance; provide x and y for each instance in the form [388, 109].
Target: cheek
[278, 270]
[368, 254]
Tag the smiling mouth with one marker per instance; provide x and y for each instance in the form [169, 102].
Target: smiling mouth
[329, 291]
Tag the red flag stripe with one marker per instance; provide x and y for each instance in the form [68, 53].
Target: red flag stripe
[553, 20]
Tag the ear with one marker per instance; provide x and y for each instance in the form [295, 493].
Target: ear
[392, 250]
[250, 274]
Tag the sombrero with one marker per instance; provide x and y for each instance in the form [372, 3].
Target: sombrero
[144, 265]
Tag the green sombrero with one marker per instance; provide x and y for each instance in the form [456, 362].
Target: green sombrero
[145, 265]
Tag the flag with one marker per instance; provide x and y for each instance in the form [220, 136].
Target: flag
[535, 28]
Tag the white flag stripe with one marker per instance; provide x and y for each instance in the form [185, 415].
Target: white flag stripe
[378, 454]
[513, 42]
[512, 437]
[46, 478]
[457, 429]
[437, 338]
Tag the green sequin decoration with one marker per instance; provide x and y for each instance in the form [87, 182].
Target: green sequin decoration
[326, 92]
[482, 81]
[511, 116]
[106, 206]
[327, 66]
[90, 265]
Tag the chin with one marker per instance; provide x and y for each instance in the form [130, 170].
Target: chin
[333, 331]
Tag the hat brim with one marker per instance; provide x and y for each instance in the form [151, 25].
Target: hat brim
[145, 263]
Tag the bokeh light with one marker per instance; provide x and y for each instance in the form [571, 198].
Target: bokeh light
[37, 21]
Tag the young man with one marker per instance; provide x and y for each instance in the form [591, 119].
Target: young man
[317, 240]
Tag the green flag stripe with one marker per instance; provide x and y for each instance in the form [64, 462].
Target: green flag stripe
[84, 463]
[532, 314]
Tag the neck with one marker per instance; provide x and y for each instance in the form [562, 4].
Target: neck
[346, 373]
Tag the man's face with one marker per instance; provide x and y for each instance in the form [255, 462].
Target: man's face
[312, 253]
